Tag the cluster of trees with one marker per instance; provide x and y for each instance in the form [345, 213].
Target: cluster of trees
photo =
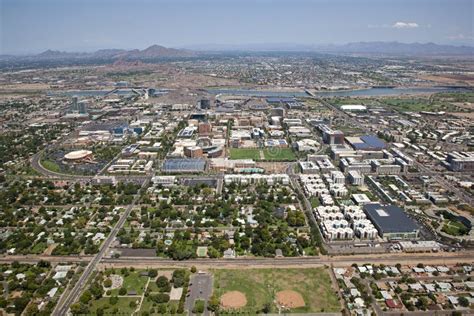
[21, 143]
[296, 218]
[34, 285]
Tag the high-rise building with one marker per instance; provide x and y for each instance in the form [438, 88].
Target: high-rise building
[74, 104]
[82, 107]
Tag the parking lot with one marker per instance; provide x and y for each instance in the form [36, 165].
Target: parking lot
[200, 288]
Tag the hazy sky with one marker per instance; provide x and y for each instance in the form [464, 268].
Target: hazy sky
[31, 26]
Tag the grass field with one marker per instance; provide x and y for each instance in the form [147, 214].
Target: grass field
[269, 154]
[121, 308]
[454, 228]
[261, 285]
[133, 282]
[279, 154]
[51, 165]
[245, 153]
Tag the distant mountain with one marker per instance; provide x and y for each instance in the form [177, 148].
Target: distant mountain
[154, 51]
[397, 48]
[380, 48]
[157, 51]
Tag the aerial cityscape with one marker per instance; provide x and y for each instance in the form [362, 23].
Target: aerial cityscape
[236, 157]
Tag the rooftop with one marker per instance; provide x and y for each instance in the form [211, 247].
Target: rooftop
[390, 218]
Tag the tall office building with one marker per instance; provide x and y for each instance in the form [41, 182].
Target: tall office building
[82, 107]
[74, 107]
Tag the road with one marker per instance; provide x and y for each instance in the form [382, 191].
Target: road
[391, 258]
[337, 261]
[69, 298]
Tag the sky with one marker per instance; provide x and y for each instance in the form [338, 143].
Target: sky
[33, 26]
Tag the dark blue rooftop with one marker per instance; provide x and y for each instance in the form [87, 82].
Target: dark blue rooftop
[390, 218]
[370, 142]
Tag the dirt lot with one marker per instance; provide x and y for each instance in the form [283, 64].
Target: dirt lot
[450, 79]
[291, 299]
[233, 299]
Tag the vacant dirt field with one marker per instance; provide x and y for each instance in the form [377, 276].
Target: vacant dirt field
[233, 299]
[291, 299]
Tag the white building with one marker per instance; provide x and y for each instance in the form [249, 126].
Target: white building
[308, 167]
[356, 178]
[164, 180]
[270, 179]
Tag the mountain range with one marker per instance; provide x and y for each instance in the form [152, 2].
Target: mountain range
[381, 48]
[157, 51]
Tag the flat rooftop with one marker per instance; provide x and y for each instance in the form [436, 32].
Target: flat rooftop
[390, 218]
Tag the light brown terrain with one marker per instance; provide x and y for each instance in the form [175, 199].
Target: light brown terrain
[290, 299]
[233, 299]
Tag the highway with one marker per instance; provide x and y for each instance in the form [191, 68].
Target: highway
[69, 298]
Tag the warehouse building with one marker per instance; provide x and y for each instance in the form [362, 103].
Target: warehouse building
[184, 165]
[391, 221]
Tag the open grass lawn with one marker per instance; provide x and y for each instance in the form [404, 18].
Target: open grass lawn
[279, 154]
[152, 308]
[454, 228]
[314, 201]
[261, 285]
[51, 165]
[133, 282]
[121, 308]
[244, 153]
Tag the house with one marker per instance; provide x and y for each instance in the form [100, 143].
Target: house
[229, 253]
[418, 270]
[417, 287]
[359, 303]
[430, 287]
[459, 286]
[52, 292]
[393, 304]
[278, 253]
[453, 300]
[60, 275]
[469, 285]
[355, 293]
[386, 295]
[444, 286]
[20, 276]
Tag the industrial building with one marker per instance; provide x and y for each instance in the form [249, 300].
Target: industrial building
[270, 179]
[391, 221]
[191, 165]
[367, 142]
[330, 136]
[461, 161]
[165, 181]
